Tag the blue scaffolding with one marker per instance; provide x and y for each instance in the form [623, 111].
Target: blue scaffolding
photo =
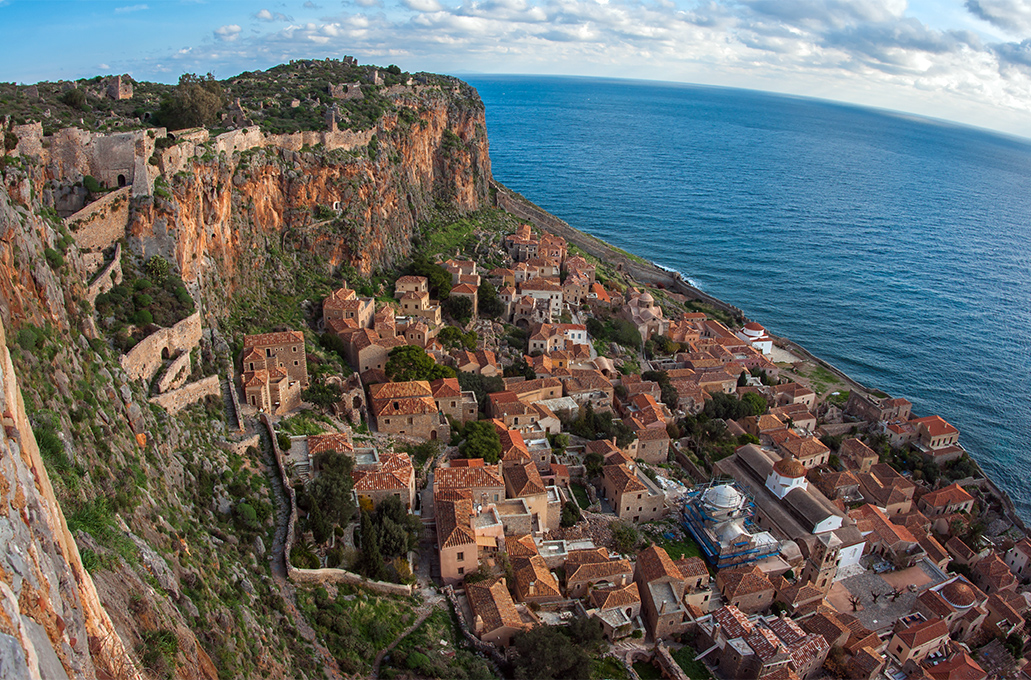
[696, 521]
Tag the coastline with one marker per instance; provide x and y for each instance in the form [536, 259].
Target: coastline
[652, 274]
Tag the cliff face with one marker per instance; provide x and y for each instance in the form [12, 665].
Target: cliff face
[122, 550]
[220, 205]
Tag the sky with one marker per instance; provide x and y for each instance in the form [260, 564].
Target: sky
[967, 61]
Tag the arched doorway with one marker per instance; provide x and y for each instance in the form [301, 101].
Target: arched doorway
[121, 181]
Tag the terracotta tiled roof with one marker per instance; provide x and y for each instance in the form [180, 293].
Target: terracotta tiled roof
[826, 624]
[266, 339]
[623, 480]
[339, 442]
[445, 387]
[744, 581]
[534, 570]
[525, 480]
[491, 601]
[464, 289]
[452, 516]
[691, 567]
[654, 563]
[595, 571]
[487, 476]
[732, 621]
[412, 279]
[807, 447]
[923, 632]
[994, 571]
[956, 546]
[764, 643]
[521, 546]
[652, 434]
[400, 390]
[935, 425]
[953, 494]
[616, 596]
[404, 406]
[585, 556]
[959, 667]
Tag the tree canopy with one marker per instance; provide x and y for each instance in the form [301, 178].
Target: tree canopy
[195, 102]
[481, 441]
[329, 497]
[410, 362]
[557, 651]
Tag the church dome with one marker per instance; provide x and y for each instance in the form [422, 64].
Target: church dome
[647, 298]
[789, 467]
[723, 496]
[958, 594]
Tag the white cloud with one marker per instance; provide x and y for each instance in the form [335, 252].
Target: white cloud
[422, 5]
[1011, 15]
[131, 8]
[103, 67]
[227, 33]
[265, 15]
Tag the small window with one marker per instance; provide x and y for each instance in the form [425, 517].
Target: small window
[461, 557]
[461, 570]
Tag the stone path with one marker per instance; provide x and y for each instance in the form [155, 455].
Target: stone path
[278, 564]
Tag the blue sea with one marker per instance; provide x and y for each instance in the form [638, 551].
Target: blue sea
[896, 247]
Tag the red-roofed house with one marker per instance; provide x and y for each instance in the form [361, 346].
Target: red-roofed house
[952, 498]
[1018, 558]
[918, 641]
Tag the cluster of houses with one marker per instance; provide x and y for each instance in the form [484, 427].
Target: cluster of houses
[813, 560]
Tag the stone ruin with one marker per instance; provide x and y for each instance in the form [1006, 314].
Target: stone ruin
[346, 91]
[236, 116]
[117, 87]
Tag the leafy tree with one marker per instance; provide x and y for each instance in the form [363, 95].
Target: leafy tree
[520, 368]
[74, 98]
[489, 303]
[548, 652]
[624, 536]
[330, 492]
[371, 561]
[481, 441]
[398, 532]
[195, 102]
[459, 308]
[755, 402]
[593, 463]
[570, 514]
[157, 268]
[742, 379]
[438, 278]
[10, 141]
[480, 385]
[321, 394]
[410, 362]
[452, 337]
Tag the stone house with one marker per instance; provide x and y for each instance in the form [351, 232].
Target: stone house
[885, 487]
[452, 401]
[633, 495]
[946, 501]
[916, 641]
[275, 370]
[793, 393]
[344, 303]
[746, 588]
[873, 409]
[662, 593]
[481, 362]
[991, 575]
[534, 582]
[809, 451]
[1018, 558]
[469, 291]
[495, 618]
[393, 475]
[697, 582]
[652, 445]
[414, 294]
[956, 602]
[544, 289]
[891, 541]
[856, 455]
[548, 337]
[407, 408]
[587, 570]
[617, 607]
[523, 481]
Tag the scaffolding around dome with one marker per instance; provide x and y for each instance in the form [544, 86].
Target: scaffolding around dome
[718, 516]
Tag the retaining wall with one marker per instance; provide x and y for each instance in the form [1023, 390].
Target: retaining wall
[101, 223]
[176, 400]
[670, 668]
[479, 645]
[144, 360]
[107, 278]
[177, 373]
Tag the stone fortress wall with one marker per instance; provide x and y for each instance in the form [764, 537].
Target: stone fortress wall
[176, 400]
[100, 224]
[108, 277]
[144, 360]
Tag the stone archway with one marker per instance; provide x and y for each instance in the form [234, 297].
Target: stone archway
[121, 181]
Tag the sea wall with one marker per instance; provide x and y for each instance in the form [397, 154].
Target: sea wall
[176, 400]
[144, 360]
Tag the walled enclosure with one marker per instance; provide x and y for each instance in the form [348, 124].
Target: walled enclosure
[176, 400]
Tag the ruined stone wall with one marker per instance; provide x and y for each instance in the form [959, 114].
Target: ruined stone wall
[178, 399]
[479, 645]
[177, 373]
[144, 360]
[30, 140]
[670, 668]
[101, 223]
[108, 277]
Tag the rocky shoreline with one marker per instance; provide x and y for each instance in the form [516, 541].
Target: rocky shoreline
[651, 274]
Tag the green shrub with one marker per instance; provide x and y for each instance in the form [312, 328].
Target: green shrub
[283, 440]
[91, 184]
[143, 317]
[54, 258]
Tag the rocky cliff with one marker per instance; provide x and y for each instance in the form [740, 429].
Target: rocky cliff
[133, 543]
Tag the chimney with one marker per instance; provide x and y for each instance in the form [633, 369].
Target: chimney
[662, 608]
[478, 624]
[532, 588]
